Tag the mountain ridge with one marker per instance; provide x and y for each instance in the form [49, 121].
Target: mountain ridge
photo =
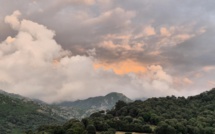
[22, 113]
[94, 104]
[115, 95]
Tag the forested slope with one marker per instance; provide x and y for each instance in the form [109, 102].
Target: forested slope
[18, 114]
[166, 115]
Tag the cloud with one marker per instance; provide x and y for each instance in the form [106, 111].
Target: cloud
[123, 67]
[34, 65]
[149, 31]
[13, 20]
[164, 32]
[68, 2]
[121, 47]
[208, 68]
[109, 25]
[146, 32]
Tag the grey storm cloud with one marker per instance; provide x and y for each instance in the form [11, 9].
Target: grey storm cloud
[176, 35]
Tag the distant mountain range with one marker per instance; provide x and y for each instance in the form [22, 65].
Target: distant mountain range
[94, 104]
[18, 113]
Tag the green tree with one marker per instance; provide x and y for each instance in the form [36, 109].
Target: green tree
[91, 129]
[76, 128]
[146, 129]
[120, 104]
[165, 129]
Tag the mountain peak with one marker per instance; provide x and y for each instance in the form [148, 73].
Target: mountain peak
[115, 94]
[94, 104]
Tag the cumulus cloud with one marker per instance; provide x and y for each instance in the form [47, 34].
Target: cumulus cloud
[34, 65]
[13, 20]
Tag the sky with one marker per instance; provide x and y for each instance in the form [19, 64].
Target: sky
[64, 50]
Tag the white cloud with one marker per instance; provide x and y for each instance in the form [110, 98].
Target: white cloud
[13, 19]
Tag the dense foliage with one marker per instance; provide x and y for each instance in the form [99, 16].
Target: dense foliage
[19, 114]
[167, 115]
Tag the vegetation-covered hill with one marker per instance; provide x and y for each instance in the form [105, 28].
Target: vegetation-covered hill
[18, 113]
[88, 106]
[166, 115]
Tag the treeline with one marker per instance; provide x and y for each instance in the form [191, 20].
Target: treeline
[167, 115]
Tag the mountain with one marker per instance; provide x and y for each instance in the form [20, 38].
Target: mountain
[19, 113]
[164, 115]
[93, 104]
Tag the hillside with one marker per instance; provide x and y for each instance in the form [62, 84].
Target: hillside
[18, 113]
[165, 115]
[93, 104]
